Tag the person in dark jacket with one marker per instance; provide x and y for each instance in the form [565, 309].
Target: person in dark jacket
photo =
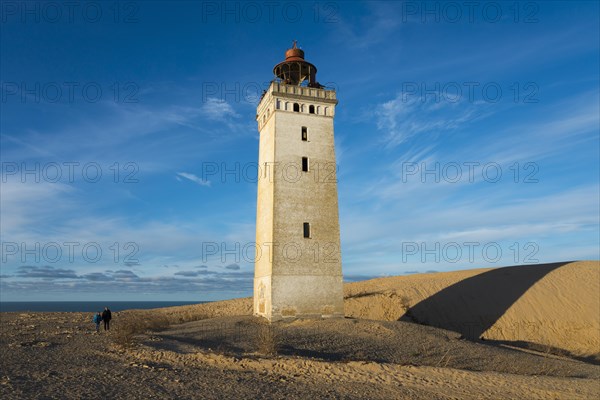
[97, 319]
[106, 317]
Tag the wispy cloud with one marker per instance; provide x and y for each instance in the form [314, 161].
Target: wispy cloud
[58, 280]
[402, 118]
[554, 212]
[218, 110]
[191, 273]
[45, 272]
[194, 178]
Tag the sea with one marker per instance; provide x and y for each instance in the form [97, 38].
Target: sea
[87, 306]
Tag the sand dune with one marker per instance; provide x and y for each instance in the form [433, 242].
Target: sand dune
[555, 305]
[217, 350]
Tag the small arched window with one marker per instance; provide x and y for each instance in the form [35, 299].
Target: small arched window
[296, 107]
[311, 109]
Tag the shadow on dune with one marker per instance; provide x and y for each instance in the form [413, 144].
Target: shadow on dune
[172, 343]
[290, 350]
[541, 349]
[473, 305]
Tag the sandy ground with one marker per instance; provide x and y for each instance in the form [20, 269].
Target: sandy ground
[549, 305]
[378, 352]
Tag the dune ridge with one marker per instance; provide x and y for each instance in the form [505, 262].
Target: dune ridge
[218, 350]
[554, 305]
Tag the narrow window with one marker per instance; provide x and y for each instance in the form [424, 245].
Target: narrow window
[307, 230]
[311, 109]
[304, 134]
[305, 164]
[296, 107]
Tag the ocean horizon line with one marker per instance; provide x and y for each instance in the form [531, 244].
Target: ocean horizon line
[89, 306]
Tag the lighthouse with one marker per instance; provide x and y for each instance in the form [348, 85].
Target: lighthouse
[298, 266]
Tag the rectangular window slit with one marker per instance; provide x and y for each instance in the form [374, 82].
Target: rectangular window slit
[304, 134]
[307, 230]
[304, 164]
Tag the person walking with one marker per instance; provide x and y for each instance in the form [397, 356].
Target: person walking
[106, 317]
[97, 319]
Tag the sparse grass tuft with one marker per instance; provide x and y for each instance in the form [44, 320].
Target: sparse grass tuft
[135, 323]
[405, 302]
[268, 340]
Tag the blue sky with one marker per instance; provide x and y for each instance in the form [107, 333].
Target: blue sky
[465, 138]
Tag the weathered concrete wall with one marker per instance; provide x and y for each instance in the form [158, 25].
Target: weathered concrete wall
[264, 217]
[297, 276]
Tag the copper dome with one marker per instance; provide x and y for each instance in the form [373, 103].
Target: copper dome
[294, 70]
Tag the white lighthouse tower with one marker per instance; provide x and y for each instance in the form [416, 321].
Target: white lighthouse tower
[298, 269]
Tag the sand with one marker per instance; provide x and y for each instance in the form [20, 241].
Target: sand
[218, 350]
[555, 305]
